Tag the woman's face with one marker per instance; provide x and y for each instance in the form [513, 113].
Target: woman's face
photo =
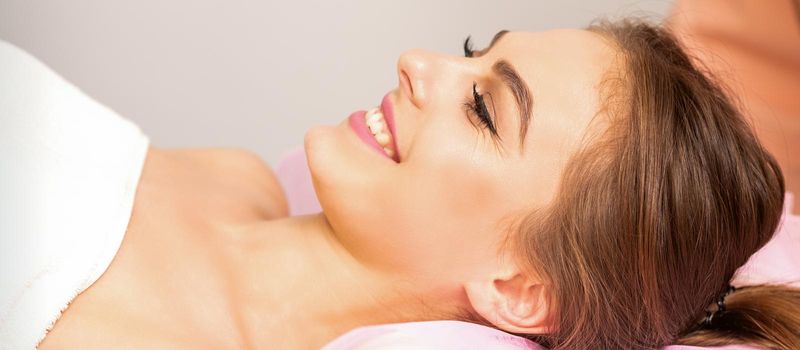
[442, 210]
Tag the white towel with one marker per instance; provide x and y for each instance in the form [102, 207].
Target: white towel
[69, 168]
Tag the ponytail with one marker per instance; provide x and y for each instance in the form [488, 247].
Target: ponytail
[765, 316]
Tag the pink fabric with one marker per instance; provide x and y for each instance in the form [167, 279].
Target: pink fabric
[450, 335]
[430, 335]
[293, 174]
[776, 262]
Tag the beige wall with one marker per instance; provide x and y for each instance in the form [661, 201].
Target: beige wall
[257, 74]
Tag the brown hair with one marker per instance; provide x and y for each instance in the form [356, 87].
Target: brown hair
[654, 216]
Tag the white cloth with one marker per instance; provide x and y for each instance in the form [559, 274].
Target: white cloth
[69, 168]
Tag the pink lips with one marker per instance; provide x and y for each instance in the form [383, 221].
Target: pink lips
[359, 125]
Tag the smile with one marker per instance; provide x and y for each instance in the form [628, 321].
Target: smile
[376, 129]
[377, 126]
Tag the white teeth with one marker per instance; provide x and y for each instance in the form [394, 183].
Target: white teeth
[374, 116]
[383, 138]
[377, 126]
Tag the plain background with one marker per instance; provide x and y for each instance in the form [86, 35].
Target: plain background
[258, 74]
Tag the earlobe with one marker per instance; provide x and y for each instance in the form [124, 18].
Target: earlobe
[512, 302]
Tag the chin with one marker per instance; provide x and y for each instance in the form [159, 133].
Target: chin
[336, 168]
[349, 178]
[321, 144]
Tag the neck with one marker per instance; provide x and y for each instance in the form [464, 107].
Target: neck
[297, 286]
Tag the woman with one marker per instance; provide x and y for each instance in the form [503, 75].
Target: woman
[588, 188]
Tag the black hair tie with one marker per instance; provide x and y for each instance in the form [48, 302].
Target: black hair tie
[720, 306]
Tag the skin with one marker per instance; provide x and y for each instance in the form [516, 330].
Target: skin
[210, 259]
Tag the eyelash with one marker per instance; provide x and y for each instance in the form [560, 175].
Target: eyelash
[477, 105]
[468, 47]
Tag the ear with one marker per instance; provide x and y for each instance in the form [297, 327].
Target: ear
[512, 301]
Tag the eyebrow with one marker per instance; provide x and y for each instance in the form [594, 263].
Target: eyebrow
[505, 70]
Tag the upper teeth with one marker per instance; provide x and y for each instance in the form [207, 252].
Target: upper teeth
[377, 126]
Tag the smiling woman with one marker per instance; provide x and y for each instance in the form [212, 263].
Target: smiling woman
[604, 231]
[583, 188]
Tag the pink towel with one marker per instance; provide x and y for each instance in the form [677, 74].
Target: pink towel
[776, 262]
[294, 176]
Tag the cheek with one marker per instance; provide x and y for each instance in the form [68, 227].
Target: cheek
[462, 191]
[443, 212]
[439, 209]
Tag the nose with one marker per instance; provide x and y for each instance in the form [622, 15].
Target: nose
[415, 70]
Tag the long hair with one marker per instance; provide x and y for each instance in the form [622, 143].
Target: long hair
[654, 216]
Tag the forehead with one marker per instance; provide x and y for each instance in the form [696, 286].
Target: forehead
[564, 70]
[578, 41]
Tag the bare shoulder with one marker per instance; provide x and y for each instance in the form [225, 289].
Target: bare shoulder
[235, 173]
[169, 259]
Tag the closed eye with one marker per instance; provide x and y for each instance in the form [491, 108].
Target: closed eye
[477, 106]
